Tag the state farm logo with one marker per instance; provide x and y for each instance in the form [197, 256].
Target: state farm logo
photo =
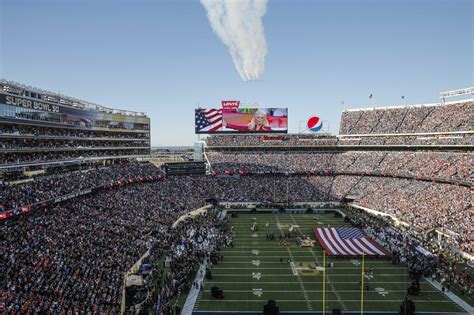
[230, 104]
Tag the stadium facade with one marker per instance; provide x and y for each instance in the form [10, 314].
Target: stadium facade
[41, 128]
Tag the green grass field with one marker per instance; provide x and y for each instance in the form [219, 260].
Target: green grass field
[251, 273]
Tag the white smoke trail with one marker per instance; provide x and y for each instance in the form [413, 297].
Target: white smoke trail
[239, 25]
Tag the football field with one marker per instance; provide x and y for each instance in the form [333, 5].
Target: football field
[256, 270]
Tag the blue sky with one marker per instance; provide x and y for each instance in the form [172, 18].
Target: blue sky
[161, 57]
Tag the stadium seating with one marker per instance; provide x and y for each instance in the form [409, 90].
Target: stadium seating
[455, 116]
[430, 165]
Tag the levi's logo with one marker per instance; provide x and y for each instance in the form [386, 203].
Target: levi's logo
[230, 104]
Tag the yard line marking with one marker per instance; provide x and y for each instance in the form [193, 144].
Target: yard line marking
[305, 294]
[293, 268]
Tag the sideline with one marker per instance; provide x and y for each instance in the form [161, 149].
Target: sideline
[453, 297]
[193, 292]
[320, 313]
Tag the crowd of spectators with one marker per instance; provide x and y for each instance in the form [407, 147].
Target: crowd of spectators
[364, 124]
[424, 205]
[424, 253]
[424, 165]
[409, 119]
[196, 241]
[269, 189]
[460, 139]
[15, 130]
[266, 188]
[271, 161]
[316, 140]
[405, 184]
[30, 144]
[67, 154]
[270, 140]
[72, 256]
[44, 188]
[37, 144]
[408, 185]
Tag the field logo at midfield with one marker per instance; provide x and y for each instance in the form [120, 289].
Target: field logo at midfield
[314, 124]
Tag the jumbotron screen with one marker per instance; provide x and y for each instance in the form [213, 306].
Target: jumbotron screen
[241, 120]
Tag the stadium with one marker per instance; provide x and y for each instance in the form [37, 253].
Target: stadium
[236, 157]
[374, 220]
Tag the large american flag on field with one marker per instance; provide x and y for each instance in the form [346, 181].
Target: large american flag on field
[208, 120]
[347, 241]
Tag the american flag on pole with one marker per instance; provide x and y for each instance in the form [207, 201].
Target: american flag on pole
[347, 241]
[208, 120]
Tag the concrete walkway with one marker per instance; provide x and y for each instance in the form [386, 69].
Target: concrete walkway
[453, 297]
[194, 293]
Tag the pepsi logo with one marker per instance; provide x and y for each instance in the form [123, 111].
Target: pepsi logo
[314, 124]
